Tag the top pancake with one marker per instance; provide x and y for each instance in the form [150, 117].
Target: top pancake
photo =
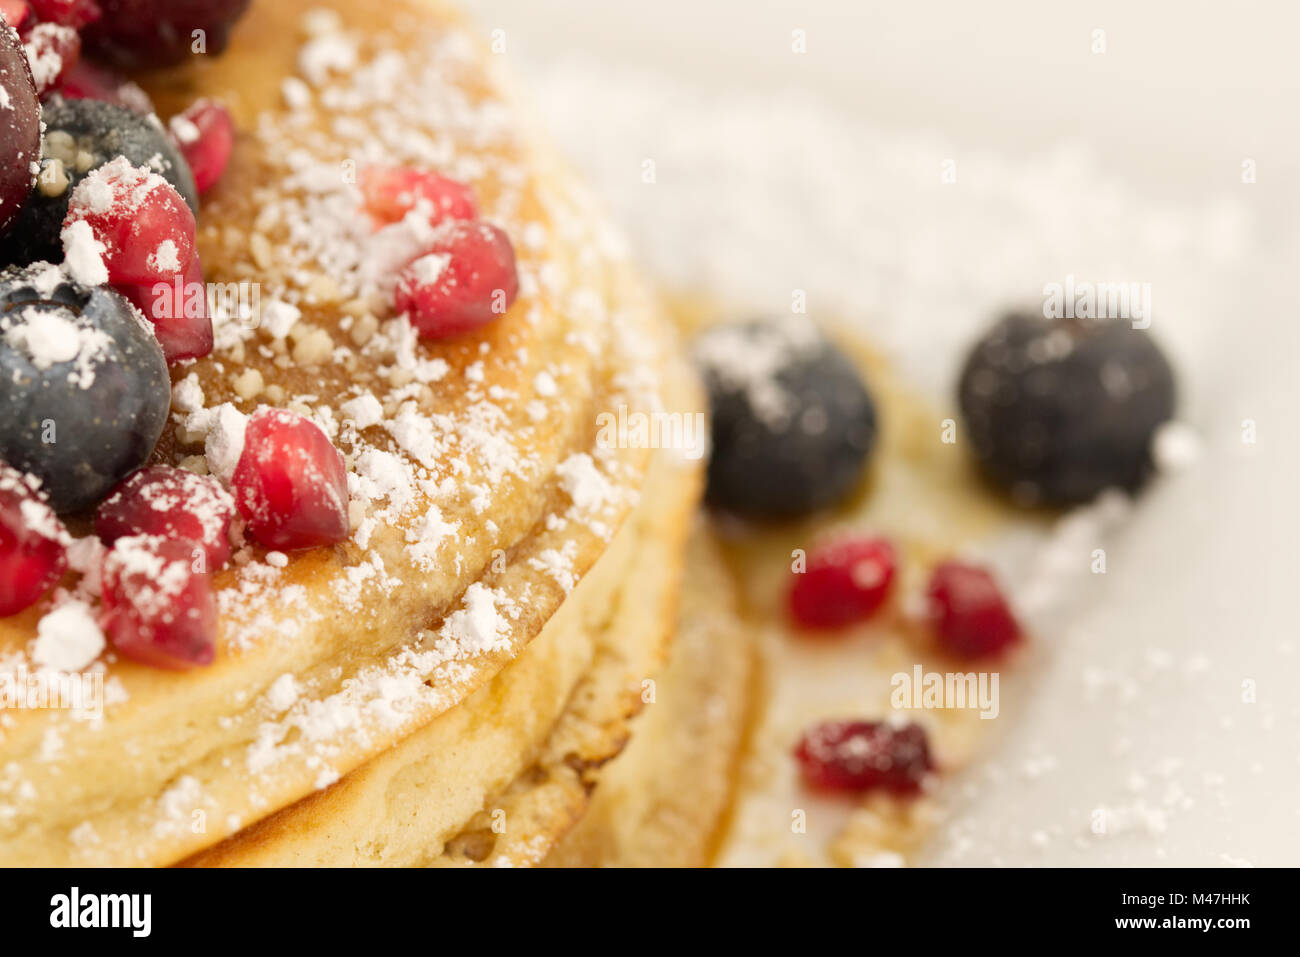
[477, 500]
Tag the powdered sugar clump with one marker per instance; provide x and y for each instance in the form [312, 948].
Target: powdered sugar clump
[427, 270]
[83, 254]
[225, 441]
[51, 335]
[187, 394]
[166, 258]
[477, 627]
[1176, 446]
[184, 129]
[278, 317]
[68, 638]
[48, 337]
[364, 411]
[579, 477]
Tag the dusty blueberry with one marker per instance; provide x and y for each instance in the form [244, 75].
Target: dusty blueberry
[793, 422]
[83, 384]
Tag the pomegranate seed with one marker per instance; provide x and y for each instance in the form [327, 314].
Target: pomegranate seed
[52, 51]
[71, 13]
[178, 311]
[145, 226]
[968, 613]
[466, 279]
[205, 134]
[290, 482]
[89, 81]
[390, 192]
[32, 542]
[14, 12]
[845, 582]
[170, 503]
[863, 756]
[157, 608]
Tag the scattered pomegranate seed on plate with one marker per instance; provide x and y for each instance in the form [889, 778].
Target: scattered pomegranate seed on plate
[158, 605]
[464, 280]
[32, 543]
[858, 756]
[846, 581]
[170, 503]
[968, 612]
[205, 133]
[290, 483]
[390, 192]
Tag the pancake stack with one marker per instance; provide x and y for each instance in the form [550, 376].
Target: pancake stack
[447, 686]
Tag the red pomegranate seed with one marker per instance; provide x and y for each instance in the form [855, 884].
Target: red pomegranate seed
[32, 542]
[158, 606]
[863, 756]
[290, 483]
[205, 134]
[170, 503]
[178, 311]
[846, 580]
[145, 226]
[52, 51]
[72, 13]
[970, 616]
[466, 279]
[14, 12]
[390, 192]
[89, 81]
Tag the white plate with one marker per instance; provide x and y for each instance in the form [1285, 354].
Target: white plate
[1165, 716]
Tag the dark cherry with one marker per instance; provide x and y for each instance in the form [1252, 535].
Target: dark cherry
[153, 33]
[20, 128]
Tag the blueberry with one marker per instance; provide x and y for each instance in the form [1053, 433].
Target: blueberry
[793, 423]
[1059, 410]
[83, 384]
[103, 131]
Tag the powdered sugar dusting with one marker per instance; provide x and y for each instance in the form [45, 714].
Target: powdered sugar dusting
[50, 335]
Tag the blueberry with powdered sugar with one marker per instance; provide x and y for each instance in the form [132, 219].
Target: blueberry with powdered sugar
[83, 384]
[84, 135]
[1059, 410]
[793, 422]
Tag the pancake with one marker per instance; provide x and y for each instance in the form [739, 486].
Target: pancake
[662, 801]
[447, 793]
[482, 495]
